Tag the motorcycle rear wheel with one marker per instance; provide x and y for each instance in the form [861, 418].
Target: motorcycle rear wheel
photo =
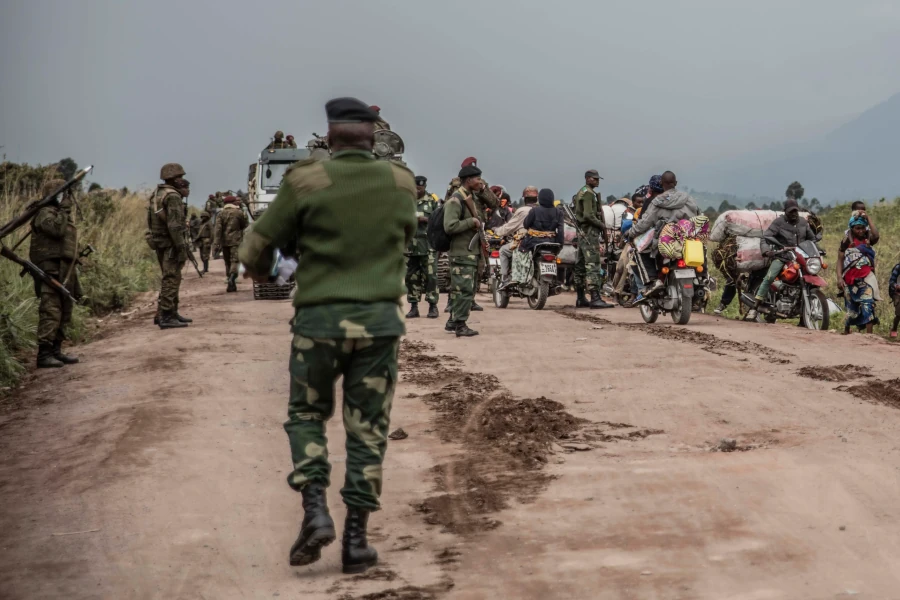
[539, 298]
[682, 315]
[501, 299]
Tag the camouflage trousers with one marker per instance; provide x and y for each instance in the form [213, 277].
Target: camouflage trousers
[54, 311]
[369, 368]
[171, 262]
[205, 246]
[463, 271]
[230, 255]
[588, 270]
[420, 275]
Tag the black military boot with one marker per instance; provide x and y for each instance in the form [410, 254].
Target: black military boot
[356, 555]
[450, 326]
[462, 330]
[433, 312]
[167, 320]
[45, 358]
[597, 301]
[63, 358]
[475, 306]
[182, 319]
[317, 529]
[232, 283]
[413, 311]
[582, 301]
[206, 266]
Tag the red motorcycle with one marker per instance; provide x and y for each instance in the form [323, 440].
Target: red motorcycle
[797, 291]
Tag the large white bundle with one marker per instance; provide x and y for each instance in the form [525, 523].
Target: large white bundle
[750, 254]
[746, 223]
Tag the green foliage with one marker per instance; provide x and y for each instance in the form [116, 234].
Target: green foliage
[794, 191]
[94, 187]
[122, 266]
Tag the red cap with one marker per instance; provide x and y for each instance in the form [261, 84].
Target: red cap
[469, 162]
[497, 190]
[376, 108]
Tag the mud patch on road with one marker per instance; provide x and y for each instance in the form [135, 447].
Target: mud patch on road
[407, 592]
[886, 393]
[424, 370]
[706, 341]
[835, 374]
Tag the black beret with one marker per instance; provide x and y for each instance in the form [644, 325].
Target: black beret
[349, 110]
[470, 171]
[421, 180]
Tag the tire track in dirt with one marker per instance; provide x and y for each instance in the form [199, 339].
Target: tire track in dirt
[508, 441]
[707, 342]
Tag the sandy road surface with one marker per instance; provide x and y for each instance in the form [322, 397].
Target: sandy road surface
[571, 458]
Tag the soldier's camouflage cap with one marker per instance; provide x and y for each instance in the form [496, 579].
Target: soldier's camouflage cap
[592, 173]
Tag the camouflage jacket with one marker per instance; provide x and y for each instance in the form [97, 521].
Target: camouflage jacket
[230, 226]
[53, 236]
[165, 217]
[205, 232]
[419, 244]
[587, 209]
[459, 225]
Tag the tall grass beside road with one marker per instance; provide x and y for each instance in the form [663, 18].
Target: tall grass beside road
[121, 267]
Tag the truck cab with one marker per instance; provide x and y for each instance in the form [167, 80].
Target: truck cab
[266, 174]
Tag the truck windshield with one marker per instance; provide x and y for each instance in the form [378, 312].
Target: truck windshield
[272, 175]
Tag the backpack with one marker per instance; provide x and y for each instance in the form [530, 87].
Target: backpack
[437, 237]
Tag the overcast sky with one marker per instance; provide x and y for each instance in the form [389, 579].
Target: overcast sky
[539, 91]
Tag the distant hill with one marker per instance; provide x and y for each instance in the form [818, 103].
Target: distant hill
[857, 160]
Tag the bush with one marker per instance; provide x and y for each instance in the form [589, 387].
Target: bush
[121, 266]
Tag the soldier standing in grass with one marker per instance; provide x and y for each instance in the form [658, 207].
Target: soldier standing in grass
[204, 239]
[54, 250]
[420, 262]
[351, 218]
[165, 219]
[230, 228]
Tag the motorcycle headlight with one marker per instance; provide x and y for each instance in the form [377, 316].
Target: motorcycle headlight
[814, 265]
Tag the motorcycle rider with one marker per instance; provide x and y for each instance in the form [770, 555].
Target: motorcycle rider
[668, 205]
[786, 231]
[515, 226]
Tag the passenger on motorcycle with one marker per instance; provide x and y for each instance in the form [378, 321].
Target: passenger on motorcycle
[501, 216]
[515, 225]
[787, 231]
[628, 219]
[543, 224]
[668, 205]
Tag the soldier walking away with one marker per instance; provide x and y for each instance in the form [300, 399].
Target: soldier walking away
[420, 262]
[54, 249]
[588, 271]
[347, 319]
[165, 219]
[380, 123]
[204, 239]
[230, 228]
[461, 222]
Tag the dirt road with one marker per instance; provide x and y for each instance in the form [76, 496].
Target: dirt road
[557, 455]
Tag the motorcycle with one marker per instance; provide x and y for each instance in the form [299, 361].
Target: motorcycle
[797, 291]
[543, 282]
[686, 286]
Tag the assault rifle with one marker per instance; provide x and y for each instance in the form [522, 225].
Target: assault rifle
[30, 211]
[479, 235]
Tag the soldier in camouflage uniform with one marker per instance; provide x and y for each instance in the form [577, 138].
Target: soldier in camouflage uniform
[460, 224]
[588, 271]
[347, 319]
[420, 262]
[194, 226]
[230, 228]
[54, 250]
[165, 220]
[276, 144]
[204, 239]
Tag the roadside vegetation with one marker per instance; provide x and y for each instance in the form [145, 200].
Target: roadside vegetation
[112, 221]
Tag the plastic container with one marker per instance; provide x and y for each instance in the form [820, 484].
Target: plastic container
[693, 253]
